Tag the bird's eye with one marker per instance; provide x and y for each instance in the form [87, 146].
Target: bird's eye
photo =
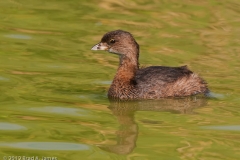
[112, 41]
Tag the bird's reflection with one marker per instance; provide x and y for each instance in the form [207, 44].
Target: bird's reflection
[124, 111]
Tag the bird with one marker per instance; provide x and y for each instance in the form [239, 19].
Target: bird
[132, 82]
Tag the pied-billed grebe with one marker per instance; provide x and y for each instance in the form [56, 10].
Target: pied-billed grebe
[154, 82]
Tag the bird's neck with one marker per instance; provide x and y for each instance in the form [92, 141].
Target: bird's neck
[123, 84]
[128, 67]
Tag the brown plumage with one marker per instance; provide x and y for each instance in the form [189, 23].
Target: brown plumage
[153, 82]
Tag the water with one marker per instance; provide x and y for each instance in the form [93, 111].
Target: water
[53, 87]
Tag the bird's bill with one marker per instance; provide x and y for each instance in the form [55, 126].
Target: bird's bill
[100, 46]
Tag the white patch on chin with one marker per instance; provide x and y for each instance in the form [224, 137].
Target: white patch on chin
[114, 51]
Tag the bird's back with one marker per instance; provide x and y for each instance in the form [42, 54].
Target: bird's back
[159, 81]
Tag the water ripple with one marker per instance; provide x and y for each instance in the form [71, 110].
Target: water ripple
[10, 126]
[57, 146]
[61, 110]
[3, 79]
[226, 128]
[18, 36]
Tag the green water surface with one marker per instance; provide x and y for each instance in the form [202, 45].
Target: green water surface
[53, 87]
